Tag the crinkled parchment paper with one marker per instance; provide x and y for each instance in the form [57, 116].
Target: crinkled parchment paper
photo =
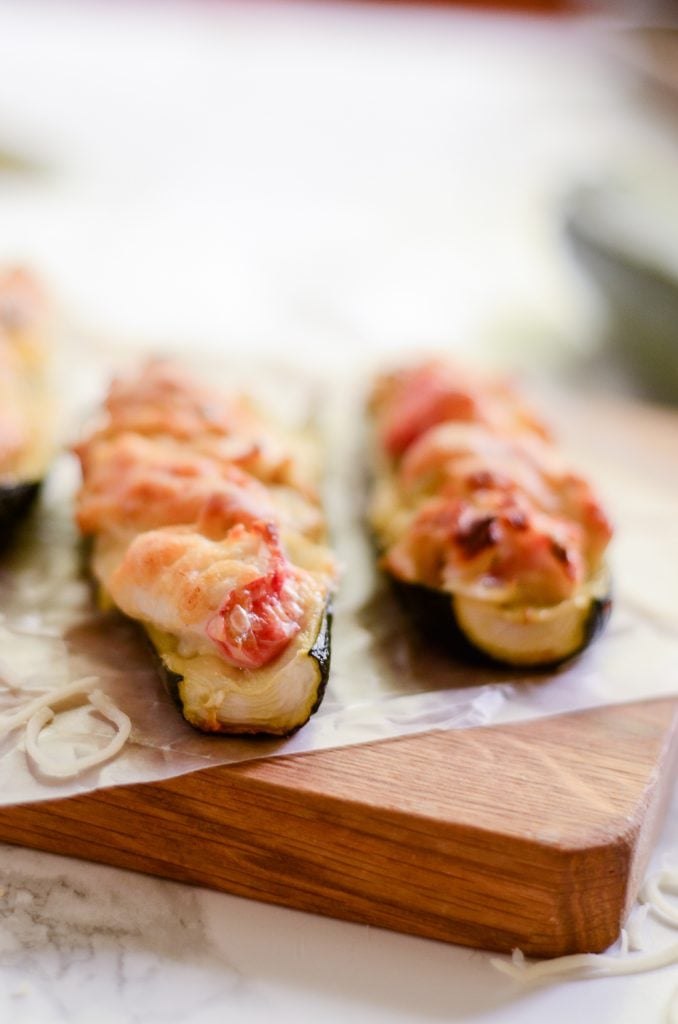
[385, 682]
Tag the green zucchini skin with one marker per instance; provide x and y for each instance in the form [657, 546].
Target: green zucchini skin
[432, 614]
[600, 611]
[432, 611]
[15, 500]
[320, 652]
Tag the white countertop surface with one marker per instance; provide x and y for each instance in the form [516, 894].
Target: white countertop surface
[333, 178]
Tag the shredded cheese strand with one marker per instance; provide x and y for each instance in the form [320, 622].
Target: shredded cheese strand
[634, 926]
[597, 965]
[48, 766]
[652, 894]
[13, 720]
[8, 679]
[590, 965]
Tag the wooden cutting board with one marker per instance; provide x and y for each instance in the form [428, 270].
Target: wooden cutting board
[533, 835]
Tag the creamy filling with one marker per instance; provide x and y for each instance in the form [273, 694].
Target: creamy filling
[470, 508]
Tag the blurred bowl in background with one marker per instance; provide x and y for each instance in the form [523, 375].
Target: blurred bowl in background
[626, 245]
[651, 50]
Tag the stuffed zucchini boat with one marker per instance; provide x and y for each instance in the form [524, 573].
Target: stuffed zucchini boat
[24, 415]
[493, 543]
[207, 530]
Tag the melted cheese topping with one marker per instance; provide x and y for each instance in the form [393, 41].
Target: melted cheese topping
[162, 403]
[178, 580]
[207, 525]
[473, 498]
[140, 483]
[409, 402]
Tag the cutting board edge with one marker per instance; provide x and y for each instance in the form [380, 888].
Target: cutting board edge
[337, 857]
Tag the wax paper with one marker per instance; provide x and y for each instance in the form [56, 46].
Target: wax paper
[386, 681]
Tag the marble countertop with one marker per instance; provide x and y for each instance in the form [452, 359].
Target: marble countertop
[331, 177]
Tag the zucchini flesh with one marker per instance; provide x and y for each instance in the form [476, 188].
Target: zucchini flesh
[521, 636]
[276, 702]
[535, 637]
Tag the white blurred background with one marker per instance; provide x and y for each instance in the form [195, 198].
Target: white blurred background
[318, 179]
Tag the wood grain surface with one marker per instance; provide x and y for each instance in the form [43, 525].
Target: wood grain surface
[532, 835]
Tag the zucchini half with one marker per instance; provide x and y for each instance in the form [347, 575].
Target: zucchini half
[16, 497]
[466, 623]
[275, 700]
[517, 635]
[25, 343]
[214, 695]
[20, 484]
